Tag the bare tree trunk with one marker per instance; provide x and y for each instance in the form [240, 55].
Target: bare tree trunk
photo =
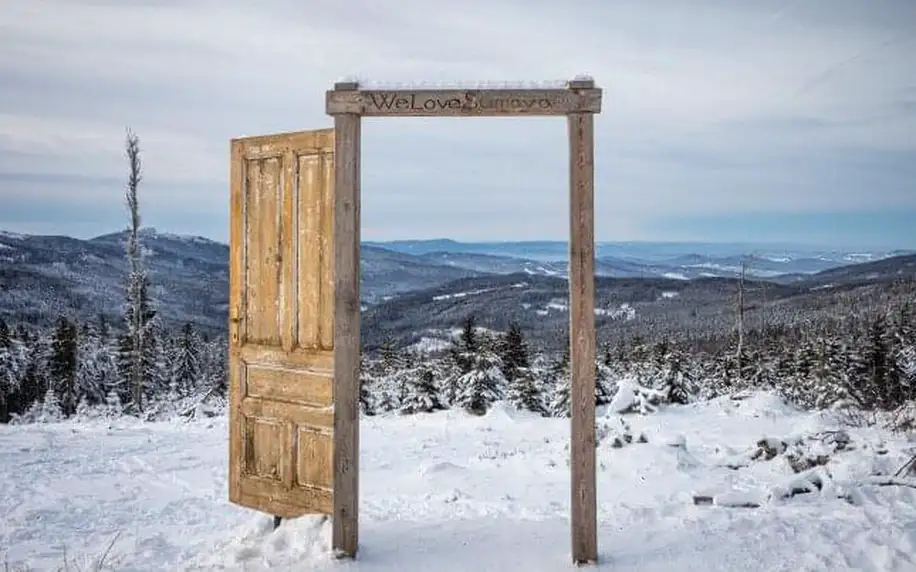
[740, 349]
[136, 277]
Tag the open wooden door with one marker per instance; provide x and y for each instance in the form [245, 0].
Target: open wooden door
[281, 320]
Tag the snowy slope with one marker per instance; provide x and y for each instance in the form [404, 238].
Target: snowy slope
[449, 492]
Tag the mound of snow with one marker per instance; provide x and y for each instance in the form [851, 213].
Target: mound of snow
[257, 546]
[442, 467]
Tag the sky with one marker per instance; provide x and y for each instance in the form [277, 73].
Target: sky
[726, 120]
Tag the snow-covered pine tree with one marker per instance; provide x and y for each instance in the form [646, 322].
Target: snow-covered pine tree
[422, 394]
[639, 364]
[906, 364]
[514, 352]
[391, 377]
[186, 361]
[878, 385]
[50, 410]
[483, 384]
[675, 383]
[904, 352]
[604, 389]
[155, 363]
[36, 379]
[524, 391]
[461, 354]
[827, 380]
[96, 372]
[558, 379]
[216, 366]
[466, 346]
[10, 372]
[367, 385]
[62, 366]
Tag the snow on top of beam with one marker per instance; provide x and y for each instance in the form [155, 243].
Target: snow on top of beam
[460, 85]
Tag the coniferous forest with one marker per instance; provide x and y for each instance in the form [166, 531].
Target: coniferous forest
[868, 363]
[861, 359]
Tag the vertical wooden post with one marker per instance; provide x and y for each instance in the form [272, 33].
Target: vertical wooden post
[583, 513]
[345, 533]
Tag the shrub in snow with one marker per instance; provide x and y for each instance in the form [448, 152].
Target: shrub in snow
[45, 411]
[904, 418]
[634, 398]
[802, 453]
[617, 432]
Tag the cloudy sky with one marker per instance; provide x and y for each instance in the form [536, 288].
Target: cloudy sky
[727, 120]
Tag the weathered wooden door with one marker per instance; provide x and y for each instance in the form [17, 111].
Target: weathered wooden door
[281, 319]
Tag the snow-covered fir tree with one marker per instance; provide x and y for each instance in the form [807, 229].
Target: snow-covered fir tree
[422, 394]
[96, 371]
[483, 384]
[558, 379]
[524, 391]
[675, 382]
[62, 366]
[185, 361]
[367, 385]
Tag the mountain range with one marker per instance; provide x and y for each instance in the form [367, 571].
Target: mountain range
[43, 277]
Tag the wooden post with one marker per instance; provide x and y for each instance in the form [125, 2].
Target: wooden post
[345, 533]
[583, 506]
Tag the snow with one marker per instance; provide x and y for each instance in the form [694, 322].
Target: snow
[624, 312]
[547, 271]
[675, 276]
[441, 297]
[429, 345]
[462, 294]
[670, 295]
[449, 491]
[474, 84]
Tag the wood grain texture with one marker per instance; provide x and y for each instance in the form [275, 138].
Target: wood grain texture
[466, 102]
[277, 388]
[582, 338]
[346, 237]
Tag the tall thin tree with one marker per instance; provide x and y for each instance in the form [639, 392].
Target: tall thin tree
[136, 278]
[739, 354]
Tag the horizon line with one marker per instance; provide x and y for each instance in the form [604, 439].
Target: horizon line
[771, 244]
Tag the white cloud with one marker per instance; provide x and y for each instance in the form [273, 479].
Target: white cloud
[708, 106]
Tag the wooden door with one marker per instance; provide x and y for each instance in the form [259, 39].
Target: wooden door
[281, 319]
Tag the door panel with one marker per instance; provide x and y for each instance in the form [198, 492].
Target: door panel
[281, 345]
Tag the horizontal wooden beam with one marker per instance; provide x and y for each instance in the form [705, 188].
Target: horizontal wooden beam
[348, 98]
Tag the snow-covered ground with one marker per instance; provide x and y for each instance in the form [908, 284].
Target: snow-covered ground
[447, 491]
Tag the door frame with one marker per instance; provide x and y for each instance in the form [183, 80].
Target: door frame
[578, 100]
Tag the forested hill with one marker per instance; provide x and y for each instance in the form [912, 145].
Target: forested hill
[44, 277]
[820, 339]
